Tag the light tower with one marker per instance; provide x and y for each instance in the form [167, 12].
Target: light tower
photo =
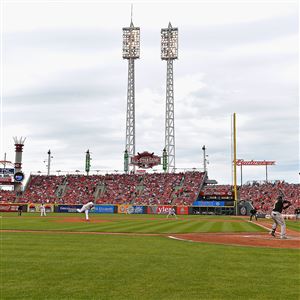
[49, 162]
[169, 52]
[131, 51]
[205, 161]
[19, 144]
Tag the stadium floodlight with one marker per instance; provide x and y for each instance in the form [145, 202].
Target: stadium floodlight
[169, 43]
[169, 52]
[131, 51]
[131, 42]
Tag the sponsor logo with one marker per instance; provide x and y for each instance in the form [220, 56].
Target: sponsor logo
[164, 210]
[138, 209]
[182, 210]
[145, 160]
[243, 211]
[19, 176]
[68, 208]
[160, 209]
[8, 207]
[209, 203]
[130, 209]
[105, 209]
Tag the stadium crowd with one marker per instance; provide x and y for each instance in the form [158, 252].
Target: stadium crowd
[145, 189]
[262, 195]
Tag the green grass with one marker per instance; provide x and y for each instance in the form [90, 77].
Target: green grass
[290, 224]
[80, 266]
[129, 223]
[56, 266]
[294, 225]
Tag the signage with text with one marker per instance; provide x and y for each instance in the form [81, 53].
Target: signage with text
[145, 160]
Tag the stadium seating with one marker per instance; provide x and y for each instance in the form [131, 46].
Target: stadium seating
[192, 184]
[41, 188]
[156, 188]
[262, 195]
[145, 189]
[7, 196]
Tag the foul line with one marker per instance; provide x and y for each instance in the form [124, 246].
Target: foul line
[262, 226]
[179, 239]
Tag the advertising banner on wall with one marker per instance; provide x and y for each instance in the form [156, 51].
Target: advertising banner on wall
[182, 210]
[131, 209]
[67, 208]
[159, 209]
[123, 209]
[104, 209]
[9, 207]
[136, 209]
[209, 203]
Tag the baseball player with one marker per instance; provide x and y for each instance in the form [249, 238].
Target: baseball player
[20, 209]
[172, 212]
[253, 213]
[43, 210]
[276, 215]
[86, 208]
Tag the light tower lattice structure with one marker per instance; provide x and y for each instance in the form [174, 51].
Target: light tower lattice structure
[169, 52]
[131, 51]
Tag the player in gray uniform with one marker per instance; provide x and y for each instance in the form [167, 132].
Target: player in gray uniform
[86, 208]
[277, 217]
[43, 210]
[172, 212]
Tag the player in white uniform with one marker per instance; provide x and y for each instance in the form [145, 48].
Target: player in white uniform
[86, 208]
[43, 210]
[172, 212]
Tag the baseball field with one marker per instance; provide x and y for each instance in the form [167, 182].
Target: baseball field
[61, 256]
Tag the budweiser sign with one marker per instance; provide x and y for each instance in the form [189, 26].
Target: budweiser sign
[145, 160]
[241, 162]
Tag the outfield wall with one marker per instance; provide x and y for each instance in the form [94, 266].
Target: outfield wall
[119, 209]
[138, 209]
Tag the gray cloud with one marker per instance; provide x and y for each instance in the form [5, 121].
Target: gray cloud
[218, 37]
[80, 107]
[72, 39]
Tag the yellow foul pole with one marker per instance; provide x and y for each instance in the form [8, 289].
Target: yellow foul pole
[234, 163]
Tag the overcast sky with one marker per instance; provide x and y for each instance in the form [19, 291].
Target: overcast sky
[64, 84]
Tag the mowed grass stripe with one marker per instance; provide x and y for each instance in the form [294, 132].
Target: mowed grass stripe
[147, 227]
[58, 266]
[249, 227]
[116, 226]
[157, 227]
[131, 226]
[130, 223]
[188, 226]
